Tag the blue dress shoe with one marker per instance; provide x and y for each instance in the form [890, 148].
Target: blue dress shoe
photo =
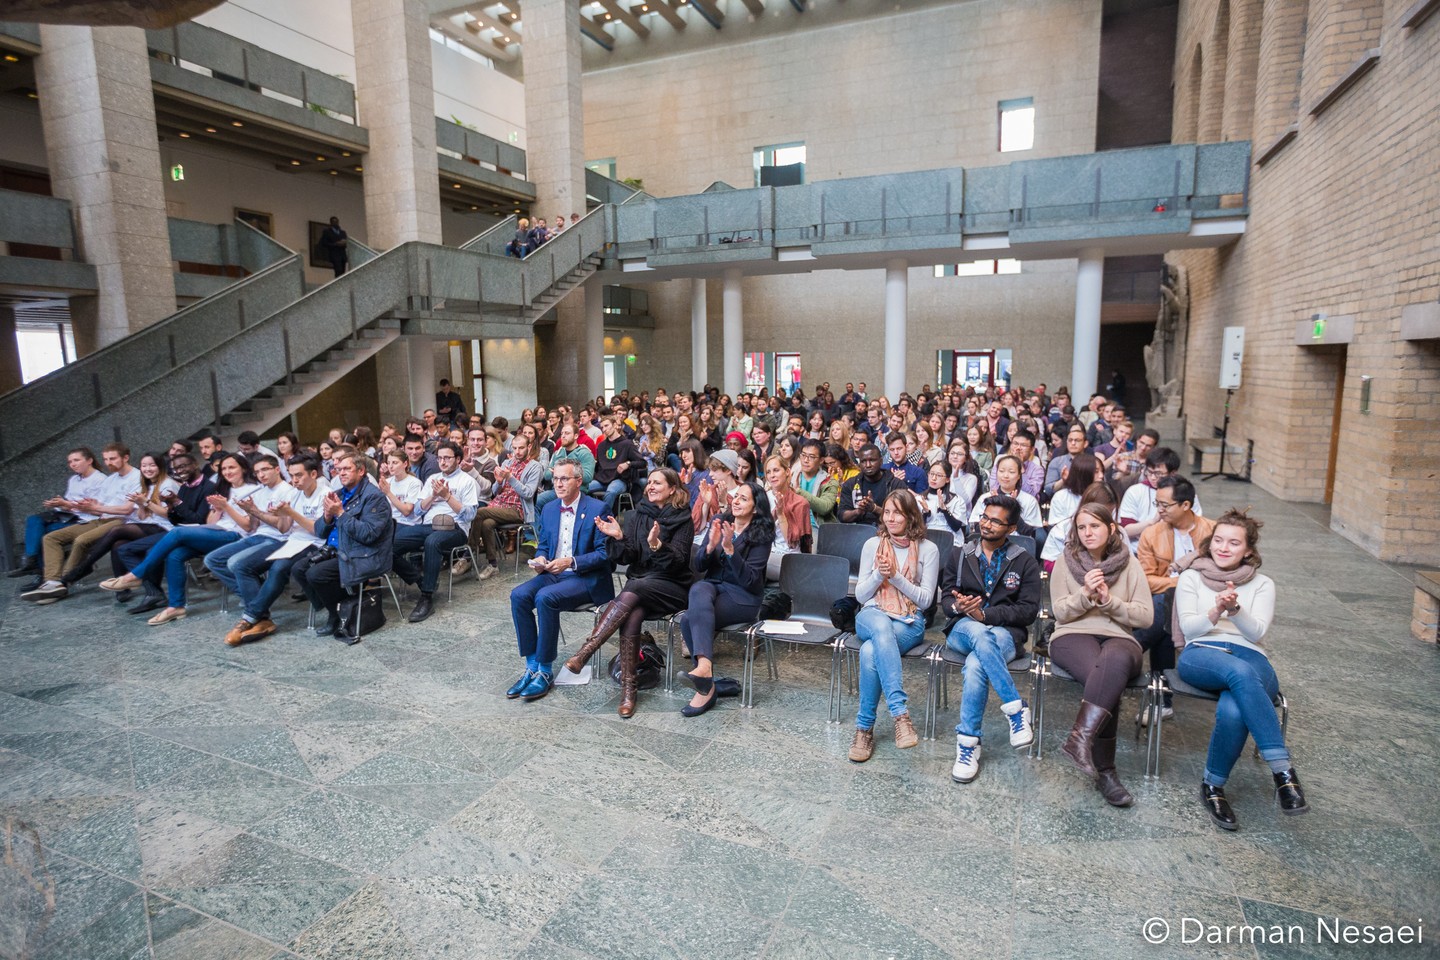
[539, 685]
[520, 685]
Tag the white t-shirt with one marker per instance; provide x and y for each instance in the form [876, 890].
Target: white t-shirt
[1029, 508]
[310, 508]
[1062, 516]
[406, 489]
[87, 488]
[118, 487]
[269, 500]
[242, 492]
[462, 485]
[168, 485]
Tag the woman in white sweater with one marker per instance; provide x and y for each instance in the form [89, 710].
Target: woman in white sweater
[898, 571]
[1223, 609]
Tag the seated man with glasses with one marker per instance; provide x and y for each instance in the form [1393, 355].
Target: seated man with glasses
[1174, 533]
[447, 506]
[990, 591]
[1137, 507]
[572, 570]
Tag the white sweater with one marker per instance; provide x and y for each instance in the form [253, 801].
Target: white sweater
[1194, 601]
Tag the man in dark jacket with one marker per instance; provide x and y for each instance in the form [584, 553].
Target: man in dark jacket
[990, 592]
[618, 463]
[356, 524]
[863, 496]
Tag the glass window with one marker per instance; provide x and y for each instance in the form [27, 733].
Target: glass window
[978, 268]
[44, 347]
[780, 155]
[606, 167]
[1017, 124]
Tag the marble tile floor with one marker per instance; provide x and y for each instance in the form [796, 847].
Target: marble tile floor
[166, 796]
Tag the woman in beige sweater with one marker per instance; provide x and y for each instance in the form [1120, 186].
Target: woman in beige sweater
[1099, 594]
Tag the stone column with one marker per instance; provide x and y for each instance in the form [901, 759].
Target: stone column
[554, 119]
[1085, 367]
[733, 334]
[699, 333]
[897, 287]
[98, 114]
[10, 373]
[395, 97]
[594, 337]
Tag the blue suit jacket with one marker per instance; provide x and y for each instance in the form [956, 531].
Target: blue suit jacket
[592, 566]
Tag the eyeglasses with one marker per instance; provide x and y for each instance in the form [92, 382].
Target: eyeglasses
[993, 522]
[1163, 505]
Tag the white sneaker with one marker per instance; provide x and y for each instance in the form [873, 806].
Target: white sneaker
[1143, 716]
[489, 571]
[1022, 727]
[461, 567]
[967, 759]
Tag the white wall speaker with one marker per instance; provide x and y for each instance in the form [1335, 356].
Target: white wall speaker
[1232, 355]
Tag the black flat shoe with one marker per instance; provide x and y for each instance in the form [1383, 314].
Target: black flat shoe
[125, 596]
[423, 608]
[703, 685]
[1218, 807]
[689, 711]
[1289, 794]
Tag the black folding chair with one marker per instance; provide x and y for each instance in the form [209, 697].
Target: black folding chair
[845, 540]
[814, 582]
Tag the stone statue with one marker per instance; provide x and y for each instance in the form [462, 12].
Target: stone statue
[1165, 354]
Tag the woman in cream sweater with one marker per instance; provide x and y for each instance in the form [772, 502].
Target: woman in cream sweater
[1099, 595]
[1223, 609]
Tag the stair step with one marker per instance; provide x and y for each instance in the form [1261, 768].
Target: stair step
[388, 323]
[303, 378]
[282, 390]
[318, 366]
[339, 353]
[371, 334]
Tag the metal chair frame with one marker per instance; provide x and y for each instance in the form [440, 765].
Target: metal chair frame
[1180, 687]
[809, 579]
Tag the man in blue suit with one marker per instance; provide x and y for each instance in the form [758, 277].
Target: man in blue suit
[571, 570]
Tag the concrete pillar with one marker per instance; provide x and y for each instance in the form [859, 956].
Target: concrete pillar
[10, 373]
[98, 114]
[699, 334]
[897, 282]
[594, 337]
[733, 344]
[395, 96]
[554, 119]
[424, 382]
[1085, 367]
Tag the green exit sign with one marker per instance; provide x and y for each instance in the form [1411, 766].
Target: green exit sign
[1318, 332]
[177, 172]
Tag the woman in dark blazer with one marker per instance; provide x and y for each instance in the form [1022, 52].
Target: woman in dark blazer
[732, 559]
[655, 543]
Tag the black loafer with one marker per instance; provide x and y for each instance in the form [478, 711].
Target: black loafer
[422, 609]
[1218, 807]
[1289, 794]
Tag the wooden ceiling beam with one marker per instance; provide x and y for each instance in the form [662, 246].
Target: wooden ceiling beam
[709, 11]
[669, 13]
[756, 7]
[626, 17]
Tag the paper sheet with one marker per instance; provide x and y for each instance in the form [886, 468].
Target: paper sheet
[564, 678]
[783, 628]
[290, 548]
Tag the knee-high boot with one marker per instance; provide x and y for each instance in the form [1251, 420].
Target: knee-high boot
[611, 620]
[1080, 745]
[629, 663]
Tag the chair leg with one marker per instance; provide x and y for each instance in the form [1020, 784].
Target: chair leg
[670, 653]
[1154, 701]
[1042, 672]
[747, 671]
[399, 610]
[837, 653]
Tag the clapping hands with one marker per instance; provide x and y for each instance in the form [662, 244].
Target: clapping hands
[610, 527]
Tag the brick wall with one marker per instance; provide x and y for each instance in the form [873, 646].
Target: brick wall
[1345, 220]
[897, 92]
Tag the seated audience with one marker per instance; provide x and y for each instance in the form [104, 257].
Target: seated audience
[268, 532]
[791, 513]
[108, 507]
[517, 481]
[862, 496]
[446, 510]
[86, 483]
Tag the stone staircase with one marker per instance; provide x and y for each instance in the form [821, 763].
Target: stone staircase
[561, 289]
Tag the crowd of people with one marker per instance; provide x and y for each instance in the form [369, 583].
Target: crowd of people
[976, 498]
[530, 237]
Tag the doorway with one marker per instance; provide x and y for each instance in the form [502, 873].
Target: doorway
[1335, 414]
[974, 368]
[787, 372]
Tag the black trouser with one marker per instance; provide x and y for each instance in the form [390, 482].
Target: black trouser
[320, 582]
[1156, 639]
[1105, 665]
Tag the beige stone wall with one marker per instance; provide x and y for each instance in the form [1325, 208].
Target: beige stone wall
[1344, 221]
[907, 91]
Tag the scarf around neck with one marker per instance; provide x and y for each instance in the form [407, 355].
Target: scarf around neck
[889, 598]
[1079, 562]
[1213, 577]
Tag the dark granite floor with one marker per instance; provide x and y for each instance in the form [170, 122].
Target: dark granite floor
[167, 796]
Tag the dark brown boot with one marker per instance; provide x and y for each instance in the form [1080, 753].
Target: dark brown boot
[629, 662]
[1080, 745]
[610, 621]
[1107, 780]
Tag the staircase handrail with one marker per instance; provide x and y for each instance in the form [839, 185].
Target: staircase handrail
[93, 382]
[477, 242]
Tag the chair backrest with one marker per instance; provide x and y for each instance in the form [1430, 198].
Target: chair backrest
[944, 541]
[814, 582]
[844, 540]
[1027, 542]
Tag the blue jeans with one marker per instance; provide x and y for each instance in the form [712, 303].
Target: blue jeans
[612, 492]
[883, 642]
[219, 562]
[174, 549]
[987, 651]
[542, 498]
[1247, 686]
[546, 596]
[35, 529]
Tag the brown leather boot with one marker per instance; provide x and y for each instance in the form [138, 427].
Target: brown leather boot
[1107, 780]
[1080, 745]
[629, 662]
[610, 621]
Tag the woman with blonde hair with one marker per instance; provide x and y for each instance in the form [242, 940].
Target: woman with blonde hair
[791, 512]
[898, 571]
[839, 433]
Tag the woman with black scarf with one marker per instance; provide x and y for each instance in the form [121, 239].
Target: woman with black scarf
[1223, 609]
[1100, 595]
[655, 542]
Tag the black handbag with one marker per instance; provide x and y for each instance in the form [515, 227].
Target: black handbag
[776, 605]
[842, 613]
[649, 664]
[361, 615]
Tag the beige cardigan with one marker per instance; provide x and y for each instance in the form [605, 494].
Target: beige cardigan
[1130, 606]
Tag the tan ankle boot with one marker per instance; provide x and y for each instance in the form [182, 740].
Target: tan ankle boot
[905, 735]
